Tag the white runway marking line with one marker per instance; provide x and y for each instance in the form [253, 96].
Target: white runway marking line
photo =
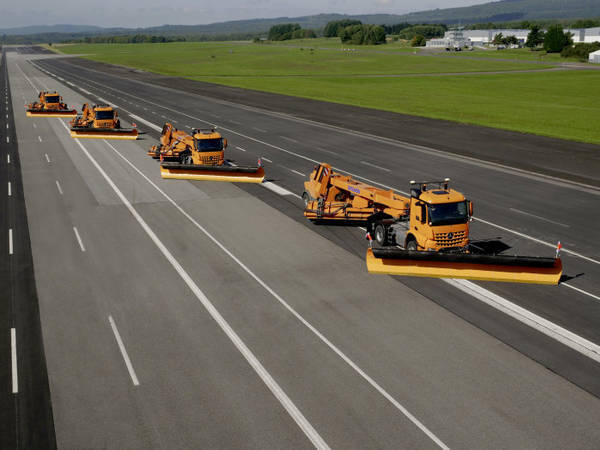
[40, 138]
[128, 364]
[60, 191]
[7, 140]
[145, 122]
[47, 157]
[375, 166]
[296, 172]
[277, 297]
[278, 189]
[34, 125]
[9, 189]
[259, 129]
[539, 217]
[241, 149]
[290, 139]
[10, 241]
[265, 159]
[321, 149]
[542, 325]
[8, 159]
[580, 291]
[253, 361]
[13, 358]
[79, 239]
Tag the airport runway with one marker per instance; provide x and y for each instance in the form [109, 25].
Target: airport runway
[190, 314]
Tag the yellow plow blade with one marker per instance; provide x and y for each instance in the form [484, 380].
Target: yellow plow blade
[472, 267]
[98, 133]
[46, 113]
[206, 173]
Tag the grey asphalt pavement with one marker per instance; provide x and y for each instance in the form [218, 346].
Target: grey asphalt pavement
[366, 361]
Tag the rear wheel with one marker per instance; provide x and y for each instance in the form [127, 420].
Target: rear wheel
[381, 234]
[306, 199]
[411, 245]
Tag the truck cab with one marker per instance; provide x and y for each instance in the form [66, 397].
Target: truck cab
[105, 117]
[439, 218]
[209, 147]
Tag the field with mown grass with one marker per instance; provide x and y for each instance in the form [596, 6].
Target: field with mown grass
[468, 87]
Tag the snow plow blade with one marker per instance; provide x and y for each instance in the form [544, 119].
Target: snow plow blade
[104, 133]
[233, 174]
[50, 113]
[512, 269]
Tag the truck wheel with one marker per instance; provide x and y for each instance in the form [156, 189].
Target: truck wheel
[411, 245]
[381, 234]
[306, 199]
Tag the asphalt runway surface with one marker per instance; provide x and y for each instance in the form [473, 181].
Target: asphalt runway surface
[194, 314]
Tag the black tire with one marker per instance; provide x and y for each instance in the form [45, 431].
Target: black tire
[411, 245]
[381, 234]
[306, 199]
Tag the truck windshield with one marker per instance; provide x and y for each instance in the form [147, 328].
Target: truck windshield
[448, 213]
[209, 145]
[51, 98]
[104, 115]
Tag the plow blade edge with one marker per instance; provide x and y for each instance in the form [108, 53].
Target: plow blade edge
[234, 174]
[50, 113]
[512, 269]
[104, 133]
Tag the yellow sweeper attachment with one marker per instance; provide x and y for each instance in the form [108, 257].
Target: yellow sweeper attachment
[104, 133]
[100, 122]
[234, 174]
[512, 269]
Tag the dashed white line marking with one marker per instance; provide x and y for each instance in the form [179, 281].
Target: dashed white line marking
[259, 129]
[544, 326]
[300, 318]
[47, 157]
[290, 139]
[145, 122]
[128, 364]
[297, 173]
[375, 166]
[60, 191]
[581, 291]
[235, 122]
[253, 361]
[7, 126]
[7, 140]
[13, 359]
[10, 241]
[321, 149]
[79, 239]
[278, 189]
[40, 138]
[241, 149]
[34, 125]
[266, 159]
[8, 159]
[9, 189]
[539, 217]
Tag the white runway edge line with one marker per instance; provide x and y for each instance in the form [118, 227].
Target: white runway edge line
[130, 369]
[287, 306]
[276, 147]
[253, 361]
[278, 189]
[13, 359]
[79, 239]
[542, 325]
[145, 122]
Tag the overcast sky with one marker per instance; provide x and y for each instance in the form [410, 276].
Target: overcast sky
[144, 13]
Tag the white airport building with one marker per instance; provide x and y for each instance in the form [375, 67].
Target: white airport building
[595, 57]
[468, 38]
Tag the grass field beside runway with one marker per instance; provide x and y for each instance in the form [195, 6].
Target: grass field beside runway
[559, 104]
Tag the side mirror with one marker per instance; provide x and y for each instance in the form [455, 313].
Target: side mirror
[224, 143]
[471, 209]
